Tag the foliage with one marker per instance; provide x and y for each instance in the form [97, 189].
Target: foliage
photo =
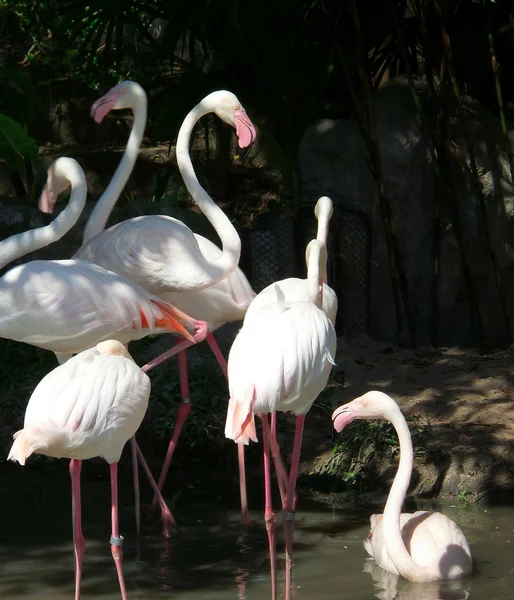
[15, 143]
[356, 451]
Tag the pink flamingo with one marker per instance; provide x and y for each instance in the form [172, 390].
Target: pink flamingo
[165, 256]
[286, 375]
[87, 407]
[420, 546]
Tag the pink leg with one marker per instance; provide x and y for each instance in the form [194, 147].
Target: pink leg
[199, 336]
[269, 515]
[290, 502]
[183, 412]
[245, 518]
[135, 470]
[277, 460]
[216, 350]
[116, 539]
[79, 545]
[167, 517]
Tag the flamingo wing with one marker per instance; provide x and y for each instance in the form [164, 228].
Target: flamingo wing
[70, 305]
[89, 406]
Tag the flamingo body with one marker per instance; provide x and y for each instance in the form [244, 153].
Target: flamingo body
[431, 539]
[158, 252]
[67, 306]
[88, 407]
[285, 375]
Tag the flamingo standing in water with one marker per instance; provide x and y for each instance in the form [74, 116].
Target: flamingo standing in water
[88, 407]
[67, 306]
[286, 375]
[297, 290]
[165, 256]
[420, 546]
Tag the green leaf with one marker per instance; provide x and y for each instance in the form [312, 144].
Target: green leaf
[15, 143]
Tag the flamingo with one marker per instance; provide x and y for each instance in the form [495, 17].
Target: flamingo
[224, 301]
[87, 407]
[297, 290]
[421, 546]
[286, 376]
[67, 306]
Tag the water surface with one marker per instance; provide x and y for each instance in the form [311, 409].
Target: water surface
[210, 556]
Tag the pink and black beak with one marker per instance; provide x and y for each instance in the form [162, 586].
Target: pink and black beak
[343, 416]
[245, 129]
[103, 106]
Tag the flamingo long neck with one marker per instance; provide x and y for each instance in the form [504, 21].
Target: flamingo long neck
[322, 235]
[22, 243]
[391, 524]
[231, 243]
[315, 258]
[103, 208]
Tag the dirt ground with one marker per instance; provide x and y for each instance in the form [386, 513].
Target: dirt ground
[463, 400]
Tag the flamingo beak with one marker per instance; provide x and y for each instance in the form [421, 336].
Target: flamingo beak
[47, 200]
[342, 417]
[245, 129]
[104, 105]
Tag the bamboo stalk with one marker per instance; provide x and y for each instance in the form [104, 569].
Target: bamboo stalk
[399, 281]
[447, 48]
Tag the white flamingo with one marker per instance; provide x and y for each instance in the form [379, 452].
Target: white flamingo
[280, 361]
[87, 407]
[420, 546]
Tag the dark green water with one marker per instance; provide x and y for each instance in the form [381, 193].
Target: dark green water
[210, 556]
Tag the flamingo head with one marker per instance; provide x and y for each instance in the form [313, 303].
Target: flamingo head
[57, 180]
[372, 405]
[126, 94]
[114, 348]
[228, 108]
[323, 206]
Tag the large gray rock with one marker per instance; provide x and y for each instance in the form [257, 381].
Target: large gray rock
[333, 161]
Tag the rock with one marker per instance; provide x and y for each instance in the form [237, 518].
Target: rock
[333, 161]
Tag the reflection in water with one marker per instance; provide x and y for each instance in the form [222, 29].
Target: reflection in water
[392, 587]
[242, 575]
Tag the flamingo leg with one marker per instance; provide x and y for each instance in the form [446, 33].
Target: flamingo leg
[290, 502]
[269, 515]
[199, 336]
[79, 544]
[183, 412]
[277, 460]
[167, 517]
[137, 500]
[245, 517]
[116, 539]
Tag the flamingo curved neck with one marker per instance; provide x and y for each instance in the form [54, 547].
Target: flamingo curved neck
[103, 208]
[231, 243]
[395, 546]
[20, 244]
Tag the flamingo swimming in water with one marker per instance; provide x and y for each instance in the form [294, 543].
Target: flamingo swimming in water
[165, 256]
[88, 407]
[420, 546]
[286, 375]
